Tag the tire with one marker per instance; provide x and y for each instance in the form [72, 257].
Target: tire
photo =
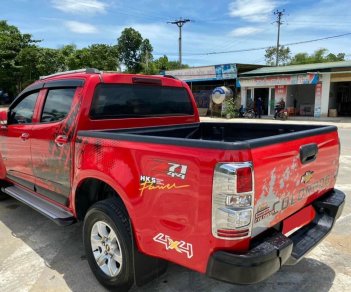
[251, 115]
[282, 116]
[108, 245]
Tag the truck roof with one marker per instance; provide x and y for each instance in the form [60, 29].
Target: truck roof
[107, 75]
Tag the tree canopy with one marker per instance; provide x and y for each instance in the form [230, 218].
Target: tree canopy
[284, 55]
[319, 56]
[23, 61]
[12, 42]
[134, 51]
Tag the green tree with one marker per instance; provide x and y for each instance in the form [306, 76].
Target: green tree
[283, 53]
[68, 53]
[319, 56]
[300, 58]
[99, 56]
[103, 57]
[133, 50]
[27, 60]
[147, 58]
[174, 65]
[12, 41]
[163, 64]
[50, 61]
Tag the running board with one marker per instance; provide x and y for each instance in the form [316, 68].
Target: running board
[59, 215]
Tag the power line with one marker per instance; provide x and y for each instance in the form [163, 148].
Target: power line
[264, 48]
[320, 39]
[279, 22]
[180, 22]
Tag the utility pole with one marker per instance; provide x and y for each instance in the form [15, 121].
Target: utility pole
[180, 22]
[279, 15]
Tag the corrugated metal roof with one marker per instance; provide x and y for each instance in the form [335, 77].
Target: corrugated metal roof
[298, 68]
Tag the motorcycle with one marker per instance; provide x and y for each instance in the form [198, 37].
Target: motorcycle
[280, 113]
[246, 113]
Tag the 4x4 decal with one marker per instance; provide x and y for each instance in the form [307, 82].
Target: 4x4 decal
[179, 246]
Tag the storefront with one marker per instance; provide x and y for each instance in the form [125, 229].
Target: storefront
[340, 93]
[317, 90]
[300, 92]
[203, 80]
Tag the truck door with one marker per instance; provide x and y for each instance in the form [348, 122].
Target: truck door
[16, 140]
[52, 142]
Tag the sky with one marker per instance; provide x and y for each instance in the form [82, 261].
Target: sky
[216, 25]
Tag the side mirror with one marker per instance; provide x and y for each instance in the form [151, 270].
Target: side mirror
[3, 117]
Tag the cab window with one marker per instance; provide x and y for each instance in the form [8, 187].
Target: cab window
[57, 104]
[22, 113]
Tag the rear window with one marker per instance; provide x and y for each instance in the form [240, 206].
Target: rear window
[136, 101]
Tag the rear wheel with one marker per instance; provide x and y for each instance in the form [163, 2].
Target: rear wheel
[251, 115]
[108, 245]
[282, 115]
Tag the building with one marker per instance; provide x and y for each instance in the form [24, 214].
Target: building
[202, 80]
[315, 90]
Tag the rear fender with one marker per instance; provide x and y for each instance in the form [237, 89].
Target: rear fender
[87, 174]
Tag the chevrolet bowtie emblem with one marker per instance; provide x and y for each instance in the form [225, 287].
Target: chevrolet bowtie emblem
[307, 177]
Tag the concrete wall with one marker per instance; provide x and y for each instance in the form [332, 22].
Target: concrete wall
[325, 95]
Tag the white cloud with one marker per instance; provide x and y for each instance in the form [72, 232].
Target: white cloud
[322, 19]
[80, 6]
[80, 27]
[253, 10]
[244, 31]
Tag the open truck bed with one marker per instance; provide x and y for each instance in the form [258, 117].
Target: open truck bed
[216, 135]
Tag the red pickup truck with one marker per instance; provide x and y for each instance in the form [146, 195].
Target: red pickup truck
[128, 155]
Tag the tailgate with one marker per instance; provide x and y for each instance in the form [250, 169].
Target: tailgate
[291, 174]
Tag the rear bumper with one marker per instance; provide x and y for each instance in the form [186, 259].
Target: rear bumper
[275, 250]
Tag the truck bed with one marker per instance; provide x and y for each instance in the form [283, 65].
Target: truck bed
[229, 136]
[293, 166]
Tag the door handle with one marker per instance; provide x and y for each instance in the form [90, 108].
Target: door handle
[61, 140]
[308, 153]
[24, 136]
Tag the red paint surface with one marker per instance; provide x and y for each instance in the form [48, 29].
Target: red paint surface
[299, 219]
[182, 208]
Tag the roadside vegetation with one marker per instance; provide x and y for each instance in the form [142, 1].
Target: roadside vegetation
[23, 60]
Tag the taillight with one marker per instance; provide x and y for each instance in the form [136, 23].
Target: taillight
[244, 180]
[233, 233]
[232, 200]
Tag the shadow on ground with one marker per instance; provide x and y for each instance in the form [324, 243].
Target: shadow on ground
[62, 250]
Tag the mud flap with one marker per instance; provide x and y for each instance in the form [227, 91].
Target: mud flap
[146, 268]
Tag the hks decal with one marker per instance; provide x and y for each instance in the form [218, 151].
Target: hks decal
[152, 183]
[150, 180]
